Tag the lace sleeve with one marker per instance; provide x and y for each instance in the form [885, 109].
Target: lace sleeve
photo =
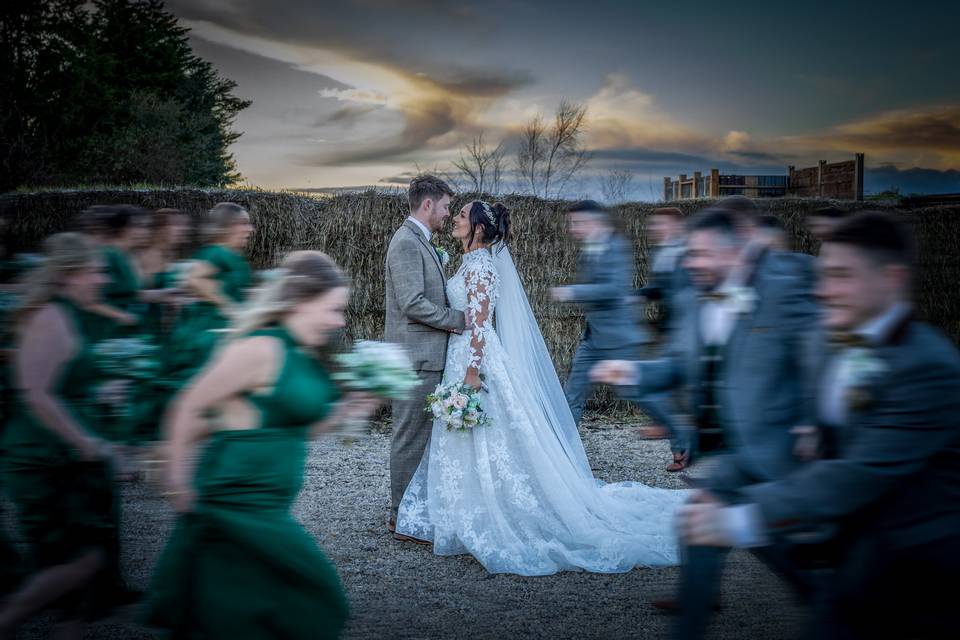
[481, 296]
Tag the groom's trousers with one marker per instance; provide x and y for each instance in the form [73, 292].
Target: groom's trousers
[579, 387]
[411, 435]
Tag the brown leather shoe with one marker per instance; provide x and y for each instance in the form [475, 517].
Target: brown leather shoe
[654, 432]
[680, 462]
[402, 538]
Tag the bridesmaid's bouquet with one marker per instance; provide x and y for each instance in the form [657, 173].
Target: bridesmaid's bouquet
[133, 358]
[457, 405]
[381, 369]
[123, 360]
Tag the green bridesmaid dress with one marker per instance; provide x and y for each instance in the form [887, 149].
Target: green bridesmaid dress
[121, 291]
[65, 505]
[201, 324]
[239, 565]
[151, 397]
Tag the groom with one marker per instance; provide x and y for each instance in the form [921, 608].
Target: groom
[419, 318]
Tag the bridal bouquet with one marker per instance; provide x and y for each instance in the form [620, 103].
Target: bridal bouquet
[457, 405]
[378, 368]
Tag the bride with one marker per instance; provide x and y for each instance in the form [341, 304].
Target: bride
[518, 494]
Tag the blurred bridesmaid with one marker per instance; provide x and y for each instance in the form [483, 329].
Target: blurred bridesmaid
[163, 293]
[125, 231]
[219, 279]
[56, 471]
[238, 564]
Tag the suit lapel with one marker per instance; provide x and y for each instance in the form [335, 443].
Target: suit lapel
[744, 322]
[427, 245]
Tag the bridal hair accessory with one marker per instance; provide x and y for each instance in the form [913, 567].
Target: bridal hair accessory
[488, 211]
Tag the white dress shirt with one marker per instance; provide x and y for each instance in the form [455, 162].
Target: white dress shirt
[832, 407]
[717, 317]
[426, 232]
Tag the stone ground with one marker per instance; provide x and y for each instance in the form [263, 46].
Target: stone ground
[401, 590]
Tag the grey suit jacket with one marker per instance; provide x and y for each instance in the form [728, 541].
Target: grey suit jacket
[765, 381]
[418, 315]
[896, 470]
[604, 283]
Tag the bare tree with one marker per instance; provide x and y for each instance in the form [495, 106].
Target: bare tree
[615, 185]
[550, 155]
[482, 165]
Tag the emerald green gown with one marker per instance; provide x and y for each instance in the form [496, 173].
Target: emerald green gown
[151, 397]
[65, 505]
[200, 325]
[239, 565]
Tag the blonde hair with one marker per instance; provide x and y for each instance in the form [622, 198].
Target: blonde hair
[304, 275]
[64, 254]
[220, 218]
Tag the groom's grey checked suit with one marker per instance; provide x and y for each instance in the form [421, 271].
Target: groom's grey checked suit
[419, 318]
[604, 283]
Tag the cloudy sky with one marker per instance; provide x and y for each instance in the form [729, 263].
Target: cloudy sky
[363, 92]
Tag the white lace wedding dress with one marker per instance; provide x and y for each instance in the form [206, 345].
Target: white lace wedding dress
[518, 494]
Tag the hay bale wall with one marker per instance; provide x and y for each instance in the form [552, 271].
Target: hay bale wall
[356, 228]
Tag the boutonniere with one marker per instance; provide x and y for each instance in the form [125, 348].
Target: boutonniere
[863, 367]
[442, 254]
[743, 299]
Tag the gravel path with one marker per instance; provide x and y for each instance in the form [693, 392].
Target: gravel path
[401, 590]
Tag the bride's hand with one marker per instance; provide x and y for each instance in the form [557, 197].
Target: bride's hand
[472, 380]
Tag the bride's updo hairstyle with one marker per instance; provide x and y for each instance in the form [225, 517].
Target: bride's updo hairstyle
[495, 221]
[302, 276]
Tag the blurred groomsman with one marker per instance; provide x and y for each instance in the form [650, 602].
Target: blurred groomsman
[667, 276]
[604, 283]
[888, 401]
[770, 232]
[739, 351]
[821, 222]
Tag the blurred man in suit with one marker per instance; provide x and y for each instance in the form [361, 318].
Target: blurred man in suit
[887, 404]
[821, 222]
[738, 351]
[602, 290]
[667, 276]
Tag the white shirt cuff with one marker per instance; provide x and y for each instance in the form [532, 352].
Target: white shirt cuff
[744, 526]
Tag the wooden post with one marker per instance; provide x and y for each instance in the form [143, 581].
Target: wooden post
[820, 167]
[790, 171]
[696, 184]
[858, 177]
[714, 183]
[667, 190]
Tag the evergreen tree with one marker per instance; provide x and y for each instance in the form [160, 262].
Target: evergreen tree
[109, 92]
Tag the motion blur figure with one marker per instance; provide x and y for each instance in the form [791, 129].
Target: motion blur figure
[887, 400]
[821, 222]
[219, 280]
[238, 565]
[667, 275]
[604, 284]
[55, 470]
[739, 354]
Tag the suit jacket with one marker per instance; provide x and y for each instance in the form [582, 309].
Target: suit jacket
[896, 470]
[666, 285]
[604, 282]
[764, 384]
[418, 315]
